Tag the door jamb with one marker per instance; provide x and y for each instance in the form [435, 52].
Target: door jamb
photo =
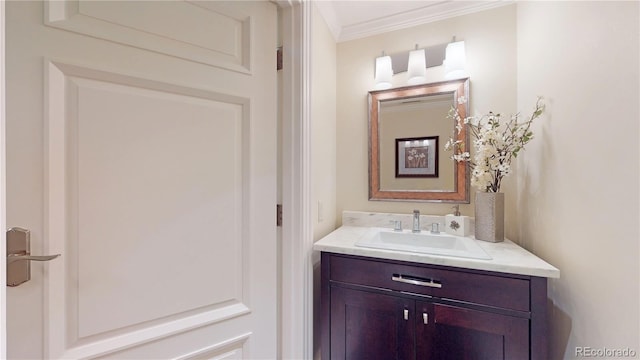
[3, 197]
[297, 232]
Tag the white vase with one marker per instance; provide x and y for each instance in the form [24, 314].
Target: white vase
[489, 222]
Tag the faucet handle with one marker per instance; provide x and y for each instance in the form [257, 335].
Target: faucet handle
[416, 212]
[456, 210]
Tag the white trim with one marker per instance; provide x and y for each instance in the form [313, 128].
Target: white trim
[286, 3]
[297, 236]
[306, 240]
[431, 12]
[209, 350]
[328, 13]
[3, 197]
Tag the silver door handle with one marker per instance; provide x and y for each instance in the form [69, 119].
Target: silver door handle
[19, 257]
[416, 281]
[14, 257]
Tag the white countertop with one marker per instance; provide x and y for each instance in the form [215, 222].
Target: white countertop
[507, 257]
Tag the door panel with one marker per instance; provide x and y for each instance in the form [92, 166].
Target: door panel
[371, 326]
[154, 176]
[159, 27]
[129, 151]
[465, 334]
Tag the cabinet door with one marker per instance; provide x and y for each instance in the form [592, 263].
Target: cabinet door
[454, 333]
[368, 325]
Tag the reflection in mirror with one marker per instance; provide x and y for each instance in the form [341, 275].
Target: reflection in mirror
[409, 128]
[406, 118]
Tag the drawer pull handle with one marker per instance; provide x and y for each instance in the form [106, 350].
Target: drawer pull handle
[406, 314]
[416, 281]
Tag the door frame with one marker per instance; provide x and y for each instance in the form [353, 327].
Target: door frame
[3, 197]
[296, 307]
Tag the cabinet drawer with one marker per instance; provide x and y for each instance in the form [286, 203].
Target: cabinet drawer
[485, 289]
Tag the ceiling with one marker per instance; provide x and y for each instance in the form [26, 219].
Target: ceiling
[354, 19]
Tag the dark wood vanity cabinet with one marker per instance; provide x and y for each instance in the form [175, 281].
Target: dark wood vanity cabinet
[386, 309]
[371, 325]
[460, 333]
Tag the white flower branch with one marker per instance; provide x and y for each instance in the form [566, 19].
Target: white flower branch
[495, 144]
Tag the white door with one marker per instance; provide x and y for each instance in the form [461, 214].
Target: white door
[141, 145]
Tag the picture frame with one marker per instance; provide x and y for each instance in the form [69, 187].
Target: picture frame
[417, 157]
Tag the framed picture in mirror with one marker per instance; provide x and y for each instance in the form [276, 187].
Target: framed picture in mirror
[418, 112]
[417, 157]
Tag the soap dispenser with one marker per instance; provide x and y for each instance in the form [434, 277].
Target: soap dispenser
[457, 224]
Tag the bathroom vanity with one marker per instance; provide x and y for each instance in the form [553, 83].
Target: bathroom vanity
[386, 304]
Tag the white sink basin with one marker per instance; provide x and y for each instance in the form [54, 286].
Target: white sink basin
[424, 242]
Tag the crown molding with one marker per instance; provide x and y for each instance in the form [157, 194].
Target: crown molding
[427, 14]
[328, 13]
[286, 3]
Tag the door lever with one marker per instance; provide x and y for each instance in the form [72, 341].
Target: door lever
[15, 257]
[19, 257]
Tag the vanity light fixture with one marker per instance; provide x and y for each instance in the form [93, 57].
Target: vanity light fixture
[384, 72]
[415, 63]
[455, 60]
[417, 67]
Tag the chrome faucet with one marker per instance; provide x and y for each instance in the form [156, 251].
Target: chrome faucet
[397, 225]
[416, 221]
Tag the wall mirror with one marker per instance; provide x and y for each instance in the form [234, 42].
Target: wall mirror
[408, 129]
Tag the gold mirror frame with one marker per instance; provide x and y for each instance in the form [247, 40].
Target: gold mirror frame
[460, 194]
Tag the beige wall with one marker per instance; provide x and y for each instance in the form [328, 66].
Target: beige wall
[323, 146]
[323, 126]
[578, 181]
[574, 199]
[490, 39]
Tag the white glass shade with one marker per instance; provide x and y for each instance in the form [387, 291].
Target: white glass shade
[455, 60]
[417, 67]
[384, 72]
